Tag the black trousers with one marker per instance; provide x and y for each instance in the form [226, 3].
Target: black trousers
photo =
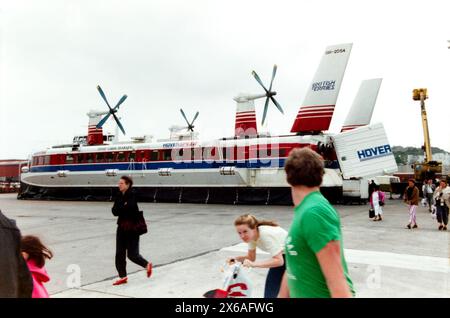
[127, 244]
[442, 214]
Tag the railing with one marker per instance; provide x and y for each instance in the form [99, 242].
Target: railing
[131, 166]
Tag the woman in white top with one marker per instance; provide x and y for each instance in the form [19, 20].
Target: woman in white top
[442, 202]
[269, 237]
[375, 200]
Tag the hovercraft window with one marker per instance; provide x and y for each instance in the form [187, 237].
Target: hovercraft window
[155, 155]
[69, 159]
[167, 155]
[100, 157]
[90, 158]
[121, 156]
[109, 157]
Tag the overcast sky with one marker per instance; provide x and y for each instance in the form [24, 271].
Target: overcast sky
[199, 54]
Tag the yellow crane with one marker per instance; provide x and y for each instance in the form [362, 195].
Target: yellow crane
[428, 168]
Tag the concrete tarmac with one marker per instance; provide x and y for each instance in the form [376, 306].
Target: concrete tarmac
[188, 244]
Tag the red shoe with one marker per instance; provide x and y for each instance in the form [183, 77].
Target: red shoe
[121, 281]
[149, 269]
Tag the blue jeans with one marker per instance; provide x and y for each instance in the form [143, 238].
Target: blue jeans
[273, 280]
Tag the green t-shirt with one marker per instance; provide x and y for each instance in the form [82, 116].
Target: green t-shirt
[315, 224]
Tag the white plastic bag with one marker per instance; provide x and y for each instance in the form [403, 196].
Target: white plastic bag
[424, 202]
[433, 212]
[236, 283]
[239, 285]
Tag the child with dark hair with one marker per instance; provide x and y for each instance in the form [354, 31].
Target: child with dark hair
[35, 253]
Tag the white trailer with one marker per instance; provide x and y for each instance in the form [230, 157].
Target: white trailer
[363, 153]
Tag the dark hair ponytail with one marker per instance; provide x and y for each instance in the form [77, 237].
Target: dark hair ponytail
[36, 251]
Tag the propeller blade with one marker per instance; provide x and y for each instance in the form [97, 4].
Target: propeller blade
[259, 81]
[276, 104]
[266, 106]
[101, 122]
[273, 76]
[184, 116]
[103, 96]
[195, 117]
[120, 102]
[118, 123]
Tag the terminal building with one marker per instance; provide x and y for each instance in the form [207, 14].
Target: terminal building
[10, 174]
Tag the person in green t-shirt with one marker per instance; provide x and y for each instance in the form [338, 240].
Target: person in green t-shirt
[315, 263]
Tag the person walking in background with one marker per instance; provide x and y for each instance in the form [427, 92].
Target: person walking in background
[15, 278]
[315, 262]
[35, 253]
[127, 240]
[442, 202]
[428, 190]
[371, 188]
[377, 200]
[269, 237]
[411, 198]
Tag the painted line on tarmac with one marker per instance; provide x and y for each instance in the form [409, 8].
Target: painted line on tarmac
[86, 286]
[405, 261]
[67, 293]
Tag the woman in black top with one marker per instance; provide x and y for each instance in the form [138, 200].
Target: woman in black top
[127, 241]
